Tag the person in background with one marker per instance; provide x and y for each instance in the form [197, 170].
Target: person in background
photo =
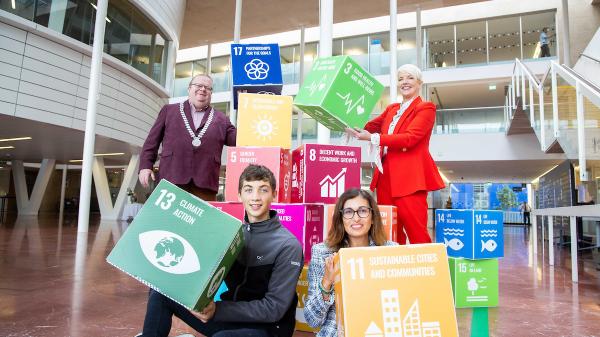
[526, 209]
[356, 223]
[544, 43]
[407, 172]
[192, 134]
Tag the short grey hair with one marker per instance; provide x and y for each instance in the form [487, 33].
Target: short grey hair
[200, 75]
[412, 70]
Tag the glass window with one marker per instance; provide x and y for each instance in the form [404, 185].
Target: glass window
[357, 48]
[220, 73]
[199, 67]
[117, 35]
[470, 43]
[407, 47]
[79, 21]
[379, 54]
[337, 48]
[289, 63]
[532, 34]
[22, 8]
[311, 52]
[183, 70]
[440, 46]
[504, 39]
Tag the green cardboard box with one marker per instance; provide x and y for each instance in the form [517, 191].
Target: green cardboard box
[474, 282]
[180, 246]
[338, 93]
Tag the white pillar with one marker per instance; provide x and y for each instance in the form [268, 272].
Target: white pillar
[566, 33]
[581, 150]
[554, 102]
[300, 82]
[236, 39]
[418, 38]
[574, 266]
[551, 239]
[325, 48]
[542, 119]
[30, 205]
[394, 51]
[58, 8]
[108, 211]
[63, 185]
[90, 122]
[208, 58]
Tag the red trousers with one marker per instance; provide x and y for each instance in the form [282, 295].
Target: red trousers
[411, 210]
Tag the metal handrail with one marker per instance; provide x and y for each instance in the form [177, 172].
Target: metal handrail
[590, 57]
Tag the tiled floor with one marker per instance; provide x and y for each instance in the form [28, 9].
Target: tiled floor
[55, 282]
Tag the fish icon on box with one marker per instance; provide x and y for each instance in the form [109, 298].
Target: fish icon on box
[454, 244]
[489, 245]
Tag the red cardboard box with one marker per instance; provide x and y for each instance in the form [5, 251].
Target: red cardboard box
[276, 159]
[235, 209]
[321, 173]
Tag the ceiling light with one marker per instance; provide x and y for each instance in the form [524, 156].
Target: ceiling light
[6, 147]
[98, 155]
[12, 3]
[492, 86]
[443, 176]
[536, 180]
[14, 139]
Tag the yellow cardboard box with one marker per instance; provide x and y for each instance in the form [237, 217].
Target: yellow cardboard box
[264, 120]
[394, 291]
[302, 290]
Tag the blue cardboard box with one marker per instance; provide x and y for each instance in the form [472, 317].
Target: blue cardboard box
[256, 69]
[472, 234]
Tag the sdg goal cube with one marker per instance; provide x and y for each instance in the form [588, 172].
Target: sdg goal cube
[474, 282]
[305, 221]
[264, 120]
[394, 291]
[472, 234]
[180, 246]
[338, 93]
[278, 160]
[321, 173]
[256, 68]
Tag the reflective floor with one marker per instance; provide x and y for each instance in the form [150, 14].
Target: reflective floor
[54, 282]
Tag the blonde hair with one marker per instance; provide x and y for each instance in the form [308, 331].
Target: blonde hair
[413, 70]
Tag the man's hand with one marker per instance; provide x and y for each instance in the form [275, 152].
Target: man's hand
[145, 175]
[207, 313]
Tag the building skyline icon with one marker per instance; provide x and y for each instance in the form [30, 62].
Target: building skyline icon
[394, 325]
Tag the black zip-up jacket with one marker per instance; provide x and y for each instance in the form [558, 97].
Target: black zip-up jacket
[262, 281]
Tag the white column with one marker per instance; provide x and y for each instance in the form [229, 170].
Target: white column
[170, 64]
[573, 228]
[581, 150]
[566, 33]
[208, 58]
[551, 240]
[534, 235]
[394, 50]
[58, 8]
[63, 185]
[90, 123]
[107, 210]
[30, 205]
[236, 39]
[300, 82]
[554, 102]
[325, 49]
[542, 119]
[418, 41]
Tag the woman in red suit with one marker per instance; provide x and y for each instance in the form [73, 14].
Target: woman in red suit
[402, 134]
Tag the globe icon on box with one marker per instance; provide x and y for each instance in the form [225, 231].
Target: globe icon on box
[169, 252]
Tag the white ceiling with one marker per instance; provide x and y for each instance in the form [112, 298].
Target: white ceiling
[52, 141]
[518, 171]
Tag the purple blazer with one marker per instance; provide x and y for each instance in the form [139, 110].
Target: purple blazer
[180, 162]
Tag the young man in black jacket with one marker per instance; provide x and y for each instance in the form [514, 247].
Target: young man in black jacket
[261, 300]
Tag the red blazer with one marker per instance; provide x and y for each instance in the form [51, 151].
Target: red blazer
[408, 148]
[180, 162]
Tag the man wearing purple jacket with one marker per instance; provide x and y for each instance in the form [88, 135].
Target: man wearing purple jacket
[192, 134]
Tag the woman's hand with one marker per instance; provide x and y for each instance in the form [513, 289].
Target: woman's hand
[329, 277]
[359, 134]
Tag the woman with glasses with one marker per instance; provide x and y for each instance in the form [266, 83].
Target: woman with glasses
[356, 223]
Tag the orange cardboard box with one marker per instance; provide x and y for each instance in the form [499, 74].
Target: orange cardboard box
[302, 291]
[394, 291]
[389, 218]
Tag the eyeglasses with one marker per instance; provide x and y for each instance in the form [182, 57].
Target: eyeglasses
[201, 86]
[363, 212]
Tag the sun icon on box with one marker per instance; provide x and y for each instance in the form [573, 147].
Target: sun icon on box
[264, 127]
